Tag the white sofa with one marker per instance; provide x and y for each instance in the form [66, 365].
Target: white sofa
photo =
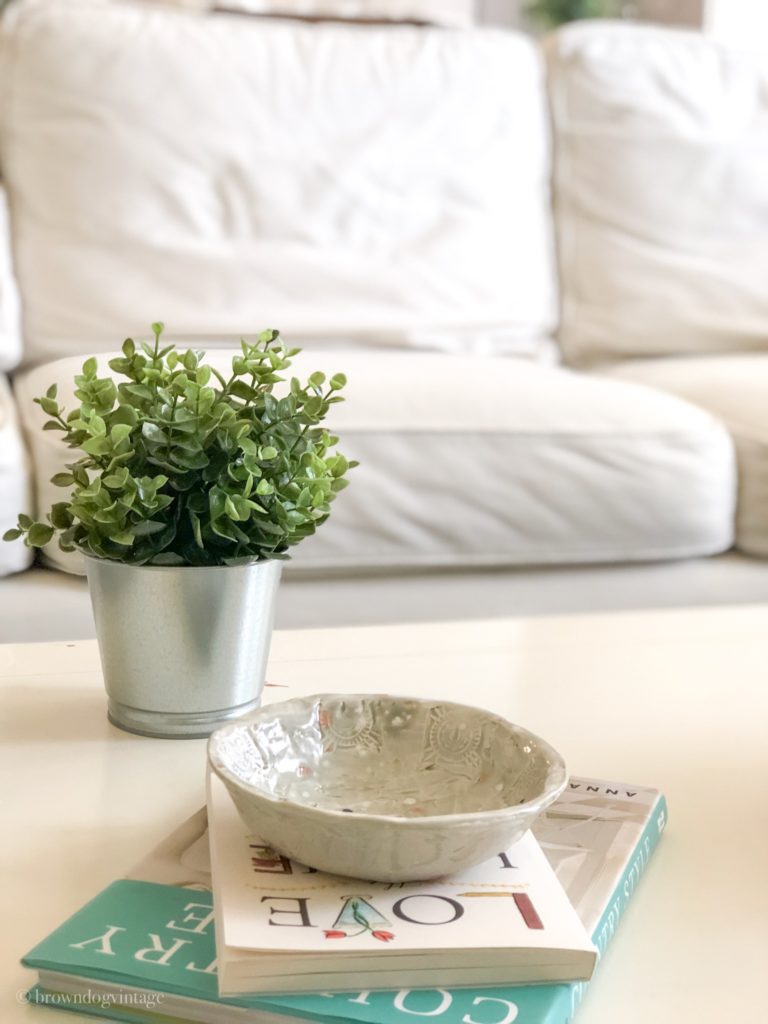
[551, 308]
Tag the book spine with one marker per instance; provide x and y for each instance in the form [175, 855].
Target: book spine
[620, 898]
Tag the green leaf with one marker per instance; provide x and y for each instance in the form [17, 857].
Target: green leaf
[338, 381]
[216, 501]
[116, 480]
[60, 515]
[124, 414]
[39, 534]
[125, 538]
[129, 348]
[106, 393]
[90, 366]
[52, 391]
[317, 379]
[153, 433]
[107, 517]
[96, 426]
[96, 446]
[338, 465]
[118, 460]
[137, 391]
[188, 443]
[119, 432]
[92, 490]
[313, 406]
[147, 527]
[167, 558]
[196, 529]
[242, 390]
[13, 534]
[63, 480]
[49, 406]
[190, 460]
[227, 529]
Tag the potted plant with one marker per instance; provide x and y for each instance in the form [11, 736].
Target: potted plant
[189, 490]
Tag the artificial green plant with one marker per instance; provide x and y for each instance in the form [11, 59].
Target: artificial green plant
[181, 466]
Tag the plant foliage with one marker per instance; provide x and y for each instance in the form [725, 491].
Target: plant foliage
[181, 466]
[551, 13]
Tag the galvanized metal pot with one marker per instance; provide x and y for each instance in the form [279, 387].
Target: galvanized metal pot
[183, 648]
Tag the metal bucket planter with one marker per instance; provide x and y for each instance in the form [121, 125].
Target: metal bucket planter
[183, 648]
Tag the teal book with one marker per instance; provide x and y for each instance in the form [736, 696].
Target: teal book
[143, 950]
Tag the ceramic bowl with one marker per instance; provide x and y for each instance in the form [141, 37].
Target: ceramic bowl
[385, 788]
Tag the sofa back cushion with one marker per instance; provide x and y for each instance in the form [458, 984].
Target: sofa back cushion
[10, 314]
[224, 174]
[661, 189]
[16, 483]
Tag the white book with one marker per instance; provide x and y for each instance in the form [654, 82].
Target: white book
[283, 927]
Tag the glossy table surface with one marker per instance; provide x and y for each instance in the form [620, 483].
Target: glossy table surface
[673, 699]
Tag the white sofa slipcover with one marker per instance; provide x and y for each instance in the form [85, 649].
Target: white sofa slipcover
[15, 483]
[469, 462]
[226, 174]
[10, 310]
[381, 193]
[455, 13]
[733, 388]
[661, 191]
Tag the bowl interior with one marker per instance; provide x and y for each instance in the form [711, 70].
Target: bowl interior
[389, 756]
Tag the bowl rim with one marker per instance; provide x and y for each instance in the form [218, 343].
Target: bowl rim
[558, 774]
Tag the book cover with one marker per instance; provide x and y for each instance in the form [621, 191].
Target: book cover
[281, 926]
[120, 955]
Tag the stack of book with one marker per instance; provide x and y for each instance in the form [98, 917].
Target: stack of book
[264, 941]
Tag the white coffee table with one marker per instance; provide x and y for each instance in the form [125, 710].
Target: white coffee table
[675, 699]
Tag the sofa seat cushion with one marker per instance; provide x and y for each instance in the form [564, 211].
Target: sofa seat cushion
[15, 483]
[661, 192]
[735, 389]
[473, 462]
[373, 184]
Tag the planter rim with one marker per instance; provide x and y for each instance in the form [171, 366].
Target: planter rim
[176, 568]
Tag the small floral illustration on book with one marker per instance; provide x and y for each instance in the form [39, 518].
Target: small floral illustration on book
[357, 916]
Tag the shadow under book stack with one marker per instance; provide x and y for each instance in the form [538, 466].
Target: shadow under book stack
[158, 945]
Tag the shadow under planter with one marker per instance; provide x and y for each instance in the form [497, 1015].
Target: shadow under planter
[183, 648]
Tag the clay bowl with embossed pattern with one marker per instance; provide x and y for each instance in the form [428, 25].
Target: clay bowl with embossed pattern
[385, 788]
